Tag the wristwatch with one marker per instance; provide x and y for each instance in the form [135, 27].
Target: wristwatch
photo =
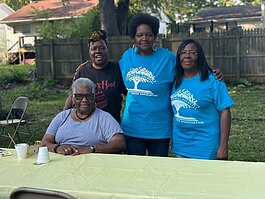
[93, 147]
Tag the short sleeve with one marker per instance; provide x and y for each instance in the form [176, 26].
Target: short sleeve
[111, 127]
[222, 99]
[57, 122]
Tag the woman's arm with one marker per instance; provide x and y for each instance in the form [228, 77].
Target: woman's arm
[65, 149]
[225, 125]
[115, 145]
[48, 141]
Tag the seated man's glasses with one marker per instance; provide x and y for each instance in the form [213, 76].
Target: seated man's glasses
[88, 96]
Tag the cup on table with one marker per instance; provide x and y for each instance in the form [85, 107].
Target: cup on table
[43, 155]
[21, 150]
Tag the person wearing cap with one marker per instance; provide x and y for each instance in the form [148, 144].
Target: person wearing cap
[148, 73]
[105, 74]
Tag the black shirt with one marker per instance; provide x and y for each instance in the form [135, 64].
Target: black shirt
[109, 86]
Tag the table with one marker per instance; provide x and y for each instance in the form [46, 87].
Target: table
[121, 176]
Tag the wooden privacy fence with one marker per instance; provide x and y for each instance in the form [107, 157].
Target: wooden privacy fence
[239, 55]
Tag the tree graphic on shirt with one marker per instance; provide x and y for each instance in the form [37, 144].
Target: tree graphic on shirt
[140, 74]
[183, 99]
[178, 105]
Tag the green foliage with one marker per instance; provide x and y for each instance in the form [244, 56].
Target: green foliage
[16, 4]
[246, 142]
[180, 11]
[46, 100]
[75, 27]
[235, 2]
[15, 73]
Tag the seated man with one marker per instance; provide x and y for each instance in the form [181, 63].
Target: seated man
[84, 128]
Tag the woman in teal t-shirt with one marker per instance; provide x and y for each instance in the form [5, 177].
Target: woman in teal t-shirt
[148, 74]
[201, 106]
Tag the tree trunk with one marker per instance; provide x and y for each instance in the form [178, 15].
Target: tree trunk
[122, 16]
[108, 17]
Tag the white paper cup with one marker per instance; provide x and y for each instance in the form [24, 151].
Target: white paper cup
[43, 155]
[21, 150]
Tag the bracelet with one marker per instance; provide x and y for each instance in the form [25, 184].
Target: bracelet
[56, 147]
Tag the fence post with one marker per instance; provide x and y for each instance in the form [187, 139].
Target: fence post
[237, 55]
[160, 42]
[212, 49]
[81, 56]
[52, 60]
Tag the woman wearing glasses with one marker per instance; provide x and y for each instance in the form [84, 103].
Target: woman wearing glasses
[84, 128]
[201, 106]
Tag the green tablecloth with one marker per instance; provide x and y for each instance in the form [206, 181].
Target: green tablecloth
[122, 176]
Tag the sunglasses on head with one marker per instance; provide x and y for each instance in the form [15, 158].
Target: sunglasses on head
[80, 96]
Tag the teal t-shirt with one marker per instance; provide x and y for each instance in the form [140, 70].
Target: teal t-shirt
[196, 105]
[149, 80]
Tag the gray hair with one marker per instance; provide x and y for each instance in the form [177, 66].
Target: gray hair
[80, 82]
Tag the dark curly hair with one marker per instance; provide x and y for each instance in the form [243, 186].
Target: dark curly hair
[143, 18]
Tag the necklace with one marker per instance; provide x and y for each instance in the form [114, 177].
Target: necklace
[83, 118]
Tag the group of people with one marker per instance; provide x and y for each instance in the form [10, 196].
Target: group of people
[168, 97]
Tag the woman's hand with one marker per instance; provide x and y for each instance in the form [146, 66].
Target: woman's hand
[218, 74]
[67, 149]
[222, 153]
[83, 150]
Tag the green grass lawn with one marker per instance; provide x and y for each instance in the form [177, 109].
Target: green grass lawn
[45, 103]
[247, 137]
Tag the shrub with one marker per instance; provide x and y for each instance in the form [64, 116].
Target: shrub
[15, 73]
[80, 27]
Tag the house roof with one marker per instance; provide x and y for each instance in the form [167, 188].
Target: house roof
[227, 13]
[56, 8]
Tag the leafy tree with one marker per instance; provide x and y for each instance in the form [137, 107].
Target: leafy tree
[80, 27]
[114, 14]
[235, 2]
[178, 11]
[114, 17]
[15, 4]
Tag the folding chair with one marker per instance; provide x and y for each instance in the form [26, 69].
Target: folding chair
[19, 106]
[36, 193]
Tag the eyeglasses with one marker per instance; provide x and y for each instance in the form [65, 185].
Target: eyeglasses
[88, 96]
[191, 53]
[98, 48]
